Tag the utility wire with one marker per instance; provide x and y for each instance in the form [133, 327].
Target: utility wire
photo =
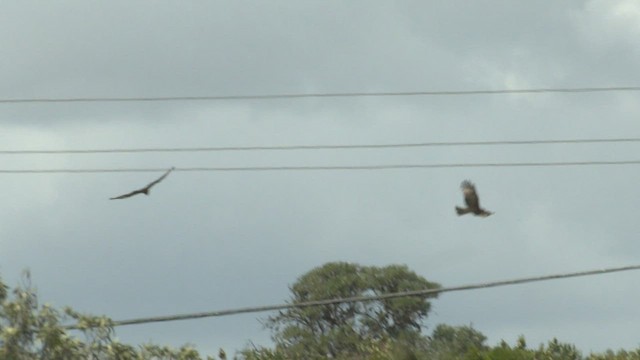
[318, 147]
[415, 293]
[322, 168]
[320, 95]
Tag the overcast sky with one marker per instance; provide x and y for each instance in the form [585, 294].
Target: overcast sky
[208, 241]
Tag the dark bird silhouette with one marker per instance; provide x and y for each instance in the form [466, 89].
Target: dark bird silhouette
[144, 190]
[472, 201]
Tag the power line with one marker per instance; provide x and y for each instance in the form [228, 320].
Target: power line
[318, 147]
[425, 292]
[323, 168]
[320, 95]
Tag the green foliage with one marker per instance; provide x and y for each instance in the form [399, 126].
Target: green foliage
[342, 329]
[501, 353]
[619, 355]
[556, 350]
[379, 330]
[456, 341]
[29, 332]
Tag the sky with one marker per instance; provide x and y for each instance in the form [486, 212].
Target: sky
[207, 241]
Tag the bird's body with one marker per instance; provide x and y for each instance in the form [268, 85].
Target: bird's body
[472, 201]
[145, 190]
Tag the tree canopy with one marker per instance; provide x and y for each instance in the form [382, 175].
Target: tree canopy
[379, 330]
[328, 331]
[30, 331]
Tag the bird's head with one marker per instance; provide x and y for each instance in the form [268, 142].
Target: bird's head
[467, 185]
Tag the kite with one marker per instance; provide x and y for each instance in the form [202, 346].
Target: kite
[144, 190]
[472, 201]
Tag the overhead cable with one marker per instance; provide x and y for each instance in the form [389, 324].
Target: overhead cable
[317, 147]
[415, 293]
[323, 168]
[320, 95]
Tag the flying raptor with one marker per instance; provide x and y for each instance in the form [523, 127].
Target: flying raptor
[472, 201]
[145, 190]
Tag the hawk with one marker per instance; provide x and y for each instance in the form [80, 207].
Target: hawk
[472, 201]
[144, 190]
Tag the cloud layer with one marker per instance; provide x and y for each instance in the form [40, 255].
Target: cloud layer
[207, 241]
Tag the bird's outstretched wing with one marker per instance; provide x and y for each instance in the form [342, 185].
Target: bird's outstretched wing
[135, 192]
[144, 190]
[159, 179]
[470, 195]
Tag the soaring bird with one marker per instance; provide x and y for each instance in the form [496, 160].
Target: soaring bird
[472, 201]
[144, 190]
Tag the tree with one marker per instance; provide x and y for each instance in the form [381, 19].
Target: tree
[619, 355]
[454, 342]
[557, 350]
[338, 329]
[29, 331]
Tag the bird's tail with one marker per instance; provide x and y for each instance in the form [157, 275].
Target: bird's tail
[462, 211]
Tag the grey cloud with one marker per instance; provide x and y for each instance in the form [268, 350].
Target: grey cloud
[206, 241]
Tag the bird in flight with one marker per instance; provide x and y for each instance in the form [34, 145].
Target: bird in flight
[144, 190]
[472, 201]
